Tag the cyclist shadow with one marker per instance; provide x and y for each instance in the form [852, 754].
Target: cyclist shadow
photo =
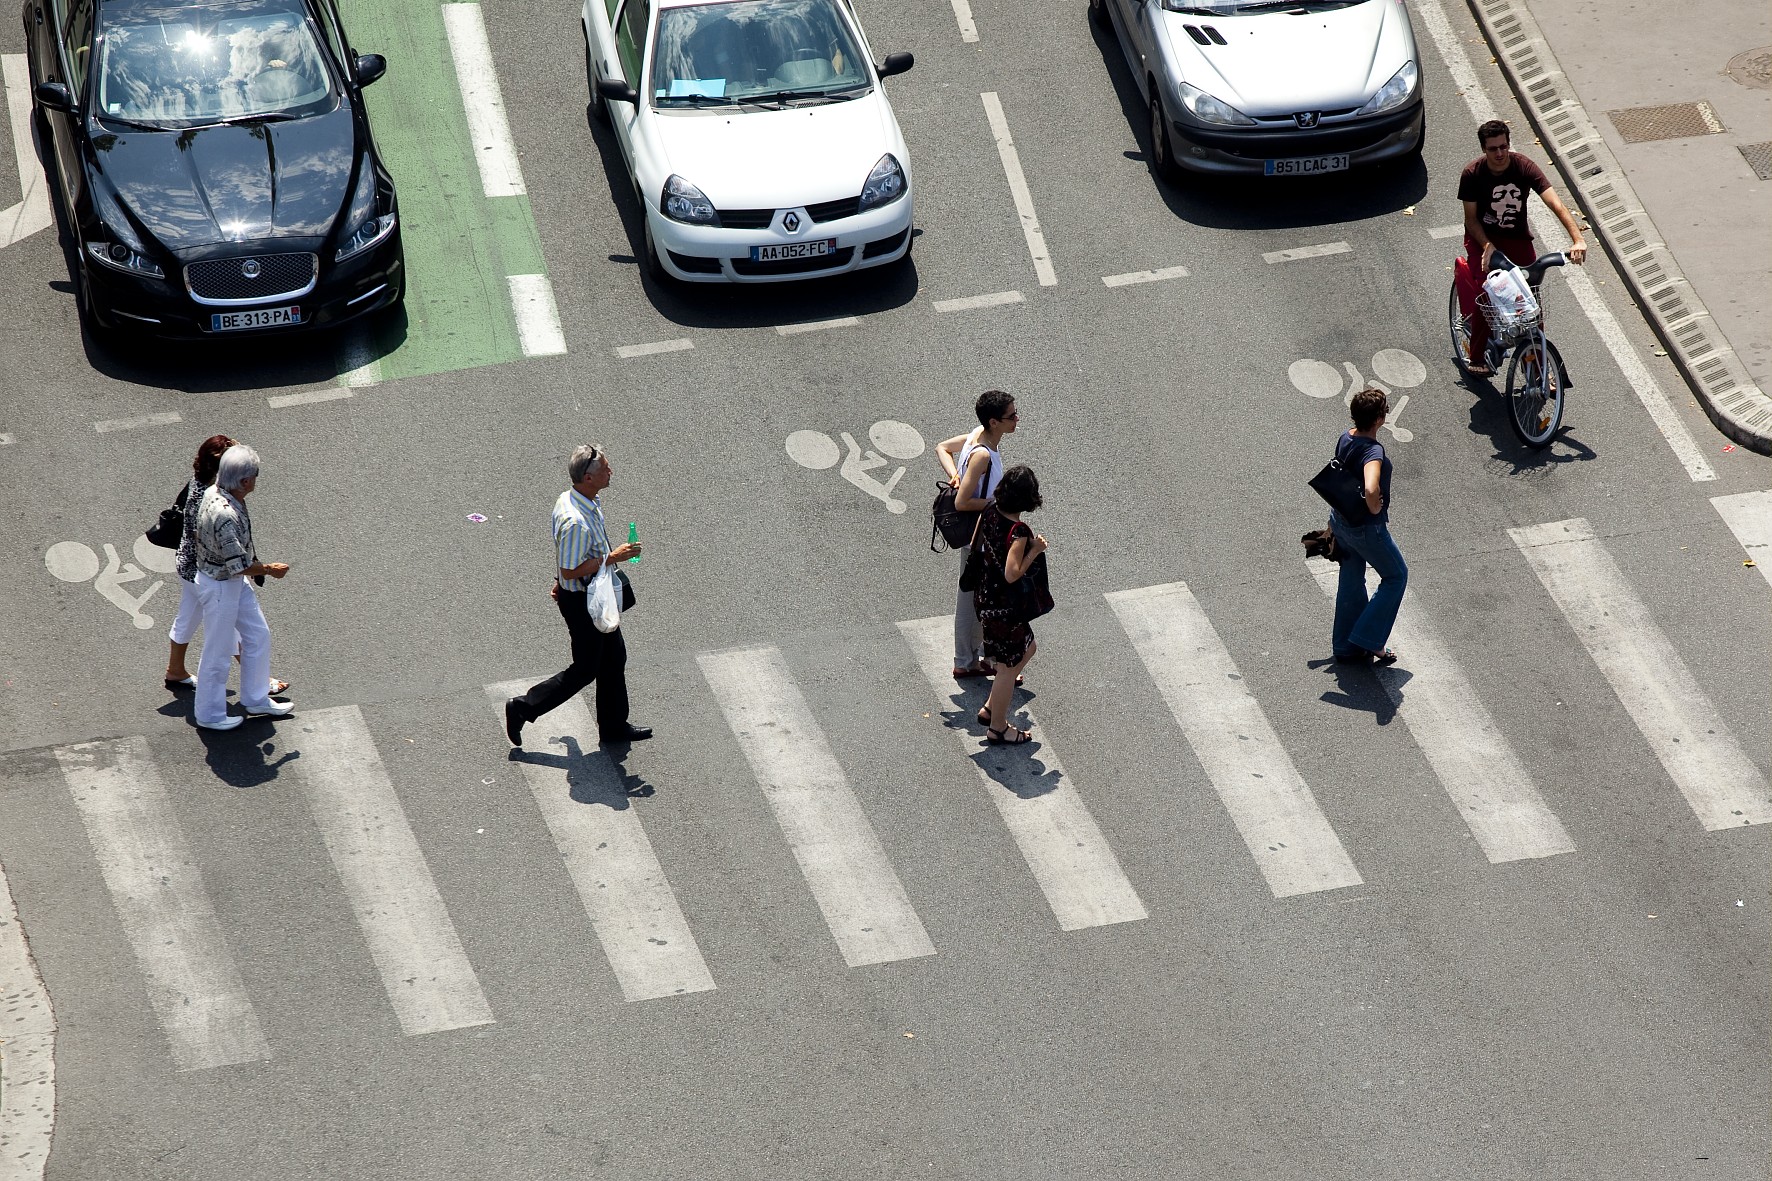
[1489, 418]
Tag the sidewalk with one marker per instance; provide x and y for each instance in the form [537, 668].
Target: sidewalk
[1681, 197]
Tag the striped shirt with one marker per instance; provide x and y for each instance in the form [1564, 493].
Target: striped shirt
[578, 535]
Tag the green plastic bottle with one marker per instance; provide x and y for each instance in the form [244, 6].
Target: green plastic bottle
[634, 538]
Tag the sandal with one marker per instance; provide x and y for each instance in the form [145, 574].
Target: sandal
[961, 674]
[1001, 737]
[984, 716]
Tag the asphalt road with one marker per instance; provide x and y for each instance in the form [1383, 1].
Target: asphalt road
[1599, 1012]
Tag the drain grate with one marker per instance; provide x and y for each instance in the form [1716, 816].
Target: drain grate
[1759, 158]
[1642, 124]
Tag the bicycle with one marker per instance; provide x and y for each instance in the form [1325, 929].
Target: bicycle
[1536, 376]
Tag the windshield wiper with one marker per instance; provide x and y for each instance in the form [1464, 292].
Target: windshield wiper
[843, 94]
[248, 120]
[709, 100]
[138, 125]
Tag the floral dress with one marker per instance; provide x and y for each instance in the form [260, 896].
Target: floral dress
[186, 559]
[1006, 641]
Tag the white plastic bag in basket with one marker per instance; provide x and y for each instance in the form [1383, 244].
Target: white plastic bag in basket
[1510, 296]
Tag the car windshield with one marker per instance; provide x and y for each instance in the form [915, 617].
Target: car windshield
[754, 51]
[196, 65]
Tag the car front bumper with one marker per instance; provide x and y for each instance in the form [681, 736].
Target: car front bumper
[1234, 152]
[720, 254]
[356, 287]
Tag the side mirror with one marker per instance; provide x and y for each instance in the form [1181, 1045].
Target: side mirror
[617, 91]
[55, 97]
[370, 66]
[895, 63]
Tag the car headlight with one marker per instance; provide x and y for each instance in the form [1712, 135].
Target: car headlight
[682, 201]
[366, 235]
[1399, 90]
[119, 257]
[1207, 109]
[367, 228]
[885, 184]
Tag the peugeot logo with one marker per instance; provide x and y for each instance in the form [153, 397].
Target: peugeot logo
[791, 223]
[1306, 118]
[249, 268]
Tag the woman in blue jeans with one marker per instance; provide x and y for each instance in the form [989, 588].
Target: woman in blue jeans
[1362, 625]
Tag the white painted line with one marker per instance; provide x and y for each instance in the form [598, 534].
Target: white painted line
[1661, 411]
[1721, 784]
[1474, 762]
[1158, 276]
[1456, 231]
[963, 14]
[1268, 800]
[1064, 849]
[306, 398]
[165, 418]
[967, 303]
[1749, 517]
[32, 213]
[1299, 252]
[27, 1053]
[359, 364]
[662, 346]
[6, 440]
[597, 830]
[538, 318]
[494, 150]
[816, 325]
[863, 902]
[162, 904]
[1018, 188]
[414, 945]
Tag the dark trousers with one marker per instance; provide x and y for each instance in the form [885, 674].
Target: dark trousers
[596, 656]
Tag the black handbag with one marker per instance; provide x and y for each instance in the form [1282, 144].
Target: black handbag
[1030, 596]
[169, 530]
[627, 590]
[947, 522]
[1343, 490]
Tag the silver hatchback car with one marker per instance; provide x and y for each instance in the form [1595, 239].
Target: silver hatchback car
[1272, 87]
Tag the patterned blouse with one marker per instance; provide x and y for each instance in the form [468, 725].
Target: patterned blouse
[187, 545]
[224, 536]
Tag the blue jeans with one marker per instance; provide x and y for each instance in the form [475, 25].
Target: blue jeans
[1359, 622]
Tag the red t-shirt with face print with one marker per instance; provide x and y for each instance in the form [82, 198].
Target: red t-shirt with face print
[1501, 196]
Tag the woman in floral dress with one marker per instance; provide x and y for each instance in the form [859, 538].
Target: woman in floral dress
[1006, 548]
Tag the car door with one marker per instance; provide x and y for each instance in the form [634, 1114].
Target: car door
[632, 23]
[1132, 20]
[67, 130]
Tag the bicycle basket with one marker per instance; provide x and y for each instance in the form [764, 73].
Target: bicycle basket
[1510, 306]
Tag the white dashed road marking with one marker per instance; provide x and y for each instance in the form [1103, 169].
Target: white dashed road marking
[661, 346]
[538, 318]
[963, 14]
[306, 397]
[490, 131]
[166, 418]
[1297, 253]
[1132, 277]
[994, 299]
[1018, 188]
[1456, 231]
[816, 325]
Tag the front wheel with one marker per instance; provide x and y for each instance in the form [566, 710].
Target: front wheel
[1162, 147]
[1460, 326]
[1534, 393]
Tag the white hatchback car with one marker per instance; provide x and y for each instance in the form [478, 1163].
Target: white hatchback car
[757, 134]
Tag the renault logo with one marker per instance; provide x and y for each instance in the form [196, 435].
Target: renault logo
[249, 268]
[1306, 118]
[791, 223]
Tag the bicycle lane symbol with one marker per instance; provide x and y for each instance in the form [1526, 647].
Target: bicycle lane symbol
[71, 561]
[1393, 369]
[816, 451]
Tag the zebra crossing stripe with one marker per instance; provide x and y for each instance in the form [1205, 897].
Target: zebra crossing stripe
[1268, 800]
[1476, 765]
[158, 890]
[597, 831]
[1058, 838]
[1718, 780]
[854, 885]
[414, 945]
[1749, 517]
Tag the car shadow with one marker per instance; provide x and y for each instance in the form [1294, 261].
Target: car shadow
[743, 305]
[1236, 203]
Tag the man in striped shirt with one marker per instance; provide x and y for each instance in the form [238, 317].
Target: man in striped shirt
[581, 546]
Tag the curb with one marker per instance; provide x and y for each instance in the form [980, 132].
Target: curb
[1740, 409]
[27, 1053]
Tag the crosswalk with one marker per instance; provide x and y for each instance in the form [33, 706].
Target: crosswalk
[193, 986]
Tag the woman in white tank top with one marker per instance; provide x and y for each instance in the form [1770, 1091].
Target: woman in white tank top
[975, 481]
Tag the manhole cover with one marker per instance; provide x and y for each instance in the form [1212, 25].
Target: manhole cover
[1642, 124]
[1759, 158]
[1753, 68]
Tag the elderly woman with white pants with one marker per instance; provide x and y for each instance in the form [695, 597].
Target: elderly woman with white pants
[226, 564]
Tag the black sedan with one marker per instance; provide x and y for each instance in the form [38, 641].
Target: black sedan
[215, 164]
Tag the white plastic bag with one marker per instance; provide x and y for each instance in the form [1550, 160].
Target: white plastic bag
[1510, 295]
[604, 601]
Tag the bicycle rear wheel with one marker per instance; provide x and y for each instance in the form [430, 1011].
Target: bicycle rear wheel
[1460, 326]
[1534, 393]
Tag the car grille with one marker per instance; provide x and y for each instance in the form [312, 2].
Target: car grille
[832, 210]
[795, 266]
[745, 219]
[224, 281]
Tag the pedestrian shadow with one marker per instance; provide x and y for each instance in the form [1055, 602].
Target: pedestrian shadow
[1365, 688]
[1016, 768]
[597, 778]
[242, 758]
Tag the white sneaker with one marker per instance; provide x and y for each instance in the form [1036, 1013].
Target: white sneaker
[227, 723]
[276, 709]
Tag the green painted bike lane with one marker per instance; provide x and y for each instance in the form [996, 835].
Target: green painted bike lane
[460, 244]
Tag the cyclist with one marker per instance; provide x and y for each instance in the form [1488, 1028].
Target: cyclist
[1494, 188]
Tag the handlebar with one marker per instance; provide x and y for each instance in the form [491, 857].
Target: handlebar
[1534, 271]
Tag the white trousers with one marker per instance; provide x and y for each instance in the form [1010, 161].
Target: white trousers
[229, 606]
[190, 615]
[968, 631]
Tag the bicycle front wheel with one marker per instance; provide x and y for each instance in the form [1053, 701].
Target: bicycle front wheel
[1534, 393]
[1460, 326]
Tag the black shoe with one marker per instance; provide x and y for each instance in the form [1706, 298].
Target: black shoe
[513, 723]
[628, 733]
